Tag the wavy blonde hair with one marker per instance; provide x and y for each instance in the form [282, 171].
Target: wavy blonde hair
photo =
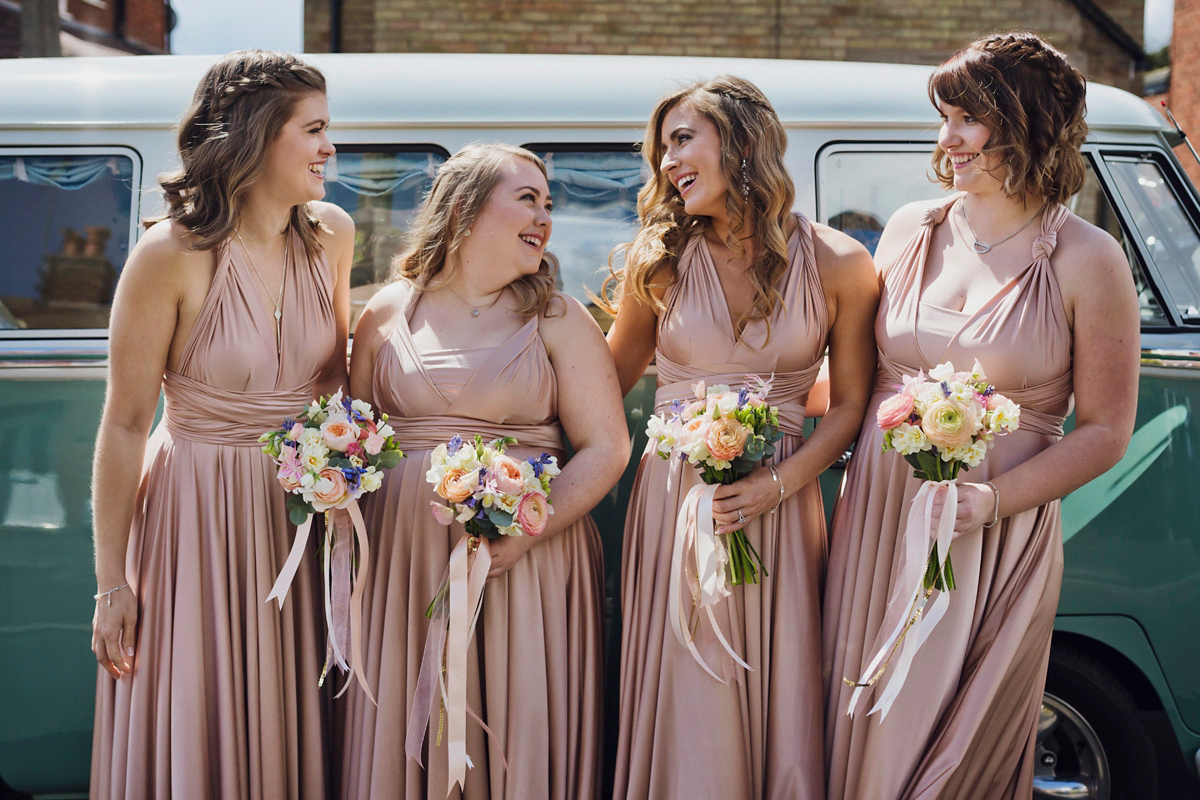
[749, 128]
[463, 185]
[239, 108]
[1033, 102]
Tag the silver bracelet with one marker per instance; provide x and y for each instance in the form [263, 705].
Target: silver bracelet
[110, 592]
[775, 477]
[996, 507]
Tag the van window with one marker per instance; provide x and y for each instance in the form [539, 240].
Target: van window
[1165, 229]
[595, 209]
[380, 187]
[66, 223]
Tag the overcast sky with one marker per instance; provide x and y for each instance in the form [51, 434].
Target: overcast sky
[218, 26]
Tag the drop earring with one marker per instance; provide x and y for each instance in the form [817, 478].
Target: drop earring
[745, 183]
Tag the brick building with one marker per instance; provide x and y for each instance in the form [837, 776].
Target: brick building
[96, 27]
[1184, 93]
[1103, 37]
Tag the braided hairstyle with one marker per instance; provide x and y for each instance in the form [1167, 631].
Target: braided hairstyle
[239, 107]
[749, 128]
[1031, 99]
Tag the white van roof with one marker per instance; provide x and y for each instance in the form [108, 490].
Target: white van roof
[473, 90]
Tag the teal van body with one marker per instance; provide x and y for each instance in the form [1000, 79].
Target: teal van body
[82, 140]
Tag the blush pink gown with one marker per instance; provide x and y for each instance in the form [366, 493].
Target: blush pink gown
[683, 734]
[963, 725]
[224, 699]
[534, 665]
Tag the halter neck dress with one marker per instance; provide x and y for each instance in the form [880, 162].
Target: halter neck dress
[535, 659]
[963, 725]
[224, 700]
[682, 732]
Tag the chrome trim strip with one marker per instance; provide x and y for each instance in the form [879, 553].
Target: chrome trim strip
[1177, 359]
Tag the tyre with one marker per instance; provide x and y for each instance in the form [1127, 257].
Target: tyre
[1092, 742]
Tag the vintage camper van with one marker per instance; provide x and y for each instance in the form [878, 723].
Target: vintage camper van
[81, 142]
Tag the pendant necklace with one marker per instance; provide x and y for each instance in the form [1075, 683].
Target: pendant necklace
[475, 309]
[278, 295]
[982, 248]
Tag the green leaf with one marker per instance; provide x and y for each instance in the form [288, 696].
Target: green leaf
[388, 459]
[297, 515]
[499, 517]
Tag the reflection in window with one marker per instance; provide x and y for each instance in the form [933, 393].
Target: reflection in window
[65, 223]
[381, 191]
[1165, 229]
[1092, 205]
[595, 209]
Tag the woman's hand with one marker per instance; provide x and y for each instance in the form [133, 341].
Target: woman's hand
[976, 507]
[507, 551]
[753, 495]
[114, 632]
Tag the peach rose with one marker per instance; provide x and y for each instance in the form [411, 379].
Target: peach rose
[948, 424]
[338, 433]
[507, 472]
[726, 438]
[457, 484]
[896, 409]
[330, 490]
[533, 513]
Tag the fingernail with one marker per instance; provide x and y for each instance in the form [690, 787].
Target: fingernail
[129, 651]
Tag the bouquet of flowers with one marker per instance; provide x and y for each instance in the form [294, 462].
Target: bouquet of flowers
[724, 434]
[944, 423]
[333, 452]
[489, 492]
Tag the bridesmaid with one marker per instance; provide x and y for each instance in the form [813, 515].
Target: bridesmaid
[473, 339]
[236, 306]
[724, 282]
[1003, 273]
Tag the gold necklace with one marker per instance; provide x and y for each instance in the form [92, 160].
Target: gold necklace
[278, 295]
[475, 309]
[982, 248]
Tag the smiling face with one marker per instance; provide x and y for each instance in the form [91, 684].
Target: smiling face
[513, 226]
[963, 138]
[691, 161]
[295, 167]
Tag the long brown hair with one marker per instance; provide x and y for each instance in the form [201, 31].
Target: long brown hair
[1033, 102]
[239, 107]
[461, 189]
[749, 128]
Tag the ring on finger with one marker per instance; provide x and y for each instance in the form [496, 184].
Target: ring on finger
[741, 517]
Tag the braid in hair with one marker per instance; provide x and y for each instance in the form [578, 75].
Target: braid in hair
[1033, 101]
[238, 109]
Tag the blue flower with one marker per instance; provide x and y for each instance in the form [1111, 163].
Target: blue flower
[288, 424]
[677, 406]
[353, 476]
[454, 444]
[945, 389]
[539, 463]
[743, 396]
[471, 502]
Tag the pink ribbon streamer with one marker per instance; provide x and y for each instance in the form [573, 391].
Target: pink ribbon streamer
[455, 612]
[697, 543]
[904, 618]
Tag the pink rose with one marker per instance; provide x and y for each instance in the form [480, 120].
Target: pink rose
[508, 477]
[896, 409]
[948, 424]
[726, 438]
[374, 443]
[330, 490]
[339, 433]
[533, 513]
[444, 515]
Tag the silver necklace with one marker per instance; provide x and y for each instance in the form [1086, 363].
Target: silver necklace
[982, 248]
[278, 295]
[474, 309]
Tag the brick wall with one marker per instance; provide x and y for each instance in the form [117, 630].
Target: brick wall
[1184, 95]
[906, 31]
[145, 29]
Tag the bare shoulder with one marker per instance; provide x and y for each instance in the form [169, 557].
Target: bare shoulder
[900, 228]
[334, 218]
[1088, 260]
[390, 300]
[842, 261]
[164, 259]
[566, 317]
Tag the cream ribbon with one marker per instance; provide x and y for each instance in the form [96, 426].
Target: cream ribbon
[455, 612]
[696, 542]
[905, 611]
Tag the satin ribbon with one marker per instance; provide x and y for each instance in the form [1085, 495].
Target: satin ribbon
[696, 542]
[343, 586]
[454, 614]
[906, 607]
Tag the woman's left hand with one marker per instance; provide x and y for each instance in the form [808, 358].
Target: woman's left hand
[753, 495]
[507, 551]
[976, 505]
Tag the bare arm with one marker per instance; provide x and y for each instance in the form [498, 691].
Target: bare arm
[1101, 302]
[632, 339]
[339, 247]
[851, 292]
[593, 418]
[379, 317]
[144, 321]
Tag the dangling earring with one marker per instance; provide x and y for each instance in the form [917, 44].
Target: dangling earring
[745, 183]
[467, 232]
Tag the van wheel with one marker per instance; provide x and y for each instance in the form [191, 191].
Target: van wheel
[1091, 743]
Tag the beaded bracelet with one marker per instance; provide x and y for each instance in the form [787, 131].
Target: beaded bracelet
[996, 507]
[110, 592]
[775, 477]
